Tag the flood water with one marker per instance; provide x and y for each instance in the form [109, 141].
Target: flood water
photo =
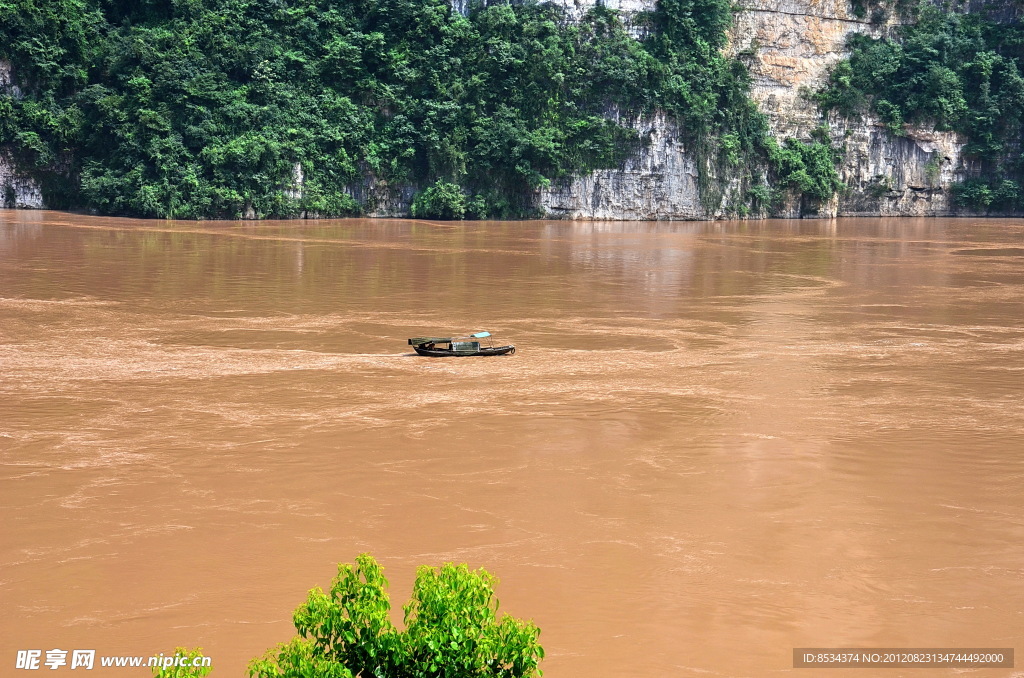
[716, 442]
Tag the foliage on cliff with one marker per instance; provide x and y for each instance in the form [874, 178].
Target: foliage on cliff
[206, 108]
[808, 169]
[452, 630]
[957, 72]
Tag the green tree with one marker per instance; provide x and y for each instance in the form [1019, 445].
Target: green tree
[452, 630]
[442, 200]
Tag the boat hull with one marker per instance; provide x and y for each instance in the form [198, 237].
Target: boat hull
[448, 353]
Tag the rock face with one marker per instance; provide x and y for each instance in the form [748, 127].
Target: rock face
[16, 189]
[659, 182]
[892, 175]
[789, 47]
[382, 200]
[576, 8]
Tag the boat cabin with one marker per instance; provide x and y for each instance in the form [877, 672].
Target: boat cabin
[469, 345]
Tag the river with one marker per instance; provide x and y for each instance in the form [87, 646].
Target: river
[716, 442]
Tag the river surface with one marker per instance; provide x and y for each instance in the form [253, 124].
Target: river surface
[716, 442]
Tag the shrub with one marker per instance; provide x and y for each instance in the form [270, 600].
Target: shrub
[442, 200]
[807, 167]
[452, 630]
[985, 194]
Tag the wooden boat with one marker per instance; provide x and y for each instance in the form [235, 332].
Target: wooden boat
[447, 347]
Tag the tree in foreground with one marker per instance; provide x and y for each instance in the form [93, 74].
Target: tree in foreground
[452, 630]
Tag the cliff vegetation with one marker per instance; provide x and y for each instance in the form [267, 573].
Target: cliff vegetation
[229, 108]
[949, 71]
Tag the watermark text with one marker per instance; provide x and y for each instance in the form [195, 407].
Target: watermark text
[34, 660]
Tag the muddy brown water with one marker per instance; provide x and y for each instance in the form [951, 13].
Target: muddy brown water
[717, 441]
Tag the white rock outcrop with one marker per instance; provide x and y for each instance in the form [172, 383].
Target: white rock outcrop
[574, 9]
[16, 189]
[659, 182]
[789, 47]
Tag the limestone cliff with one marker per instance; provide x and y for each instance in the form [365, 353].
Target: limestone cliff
[16, 189]
[574, 9]
[789, 47]
[659, 182]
